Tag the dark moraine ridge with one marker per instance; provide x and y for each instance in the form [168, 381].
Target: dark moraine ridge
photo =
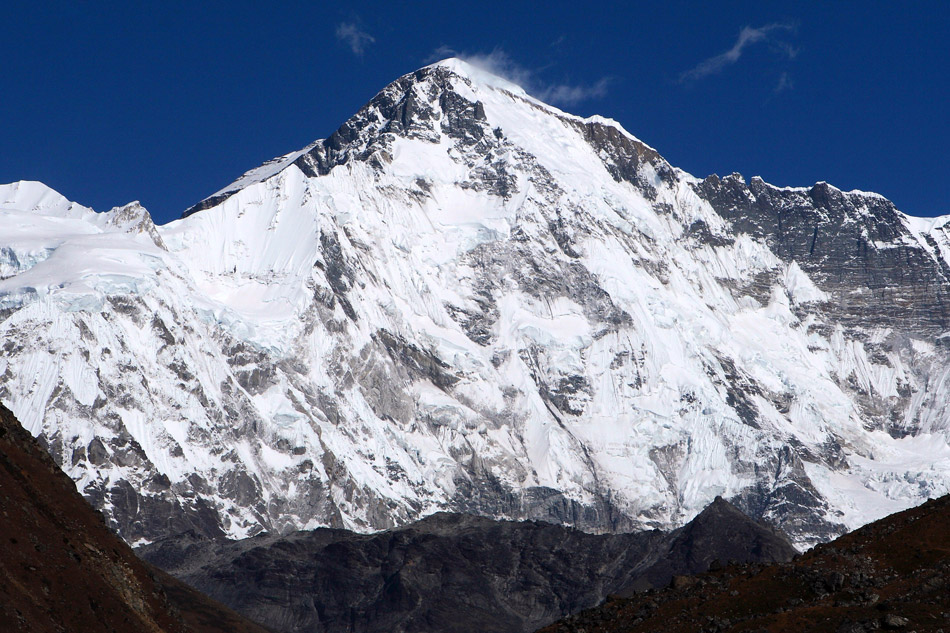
[893, 574]
[451, 572]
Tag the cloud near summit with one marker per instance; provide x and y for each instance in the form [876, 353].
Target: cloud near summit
[498, 62]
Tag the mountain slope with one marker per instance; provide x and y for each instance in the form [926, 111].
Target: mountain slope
[892, 574]
[451, 572]
[467, 300]
[62, 570]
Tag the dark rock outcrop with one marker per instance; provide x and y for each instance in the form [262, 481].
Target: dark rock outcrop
[856, 246]
[893, 574]
[721, 532]
[451, 572]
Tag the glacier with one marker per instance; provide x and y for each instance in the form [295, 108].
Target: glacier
[468, 300]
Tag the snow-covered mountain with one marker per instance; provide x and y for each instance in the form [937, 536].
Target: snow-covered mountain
[465, 299]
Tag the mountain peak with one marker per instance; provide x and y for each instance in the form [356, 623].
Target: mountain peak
[724, 529]
[461, 104]
[477, 74]
[38, 198]
[445, 98]
[465, 300]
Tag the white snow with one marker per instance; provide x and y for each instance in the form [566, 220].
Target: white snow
[248, 337]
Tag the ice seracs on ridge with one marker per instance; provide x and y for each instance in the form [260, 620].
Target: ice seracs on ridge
[464, 299]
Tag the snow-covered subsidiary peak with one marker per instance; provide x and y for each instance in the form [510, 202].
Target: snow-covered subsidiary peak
[464, 299]
[35, 197]
[56, 249]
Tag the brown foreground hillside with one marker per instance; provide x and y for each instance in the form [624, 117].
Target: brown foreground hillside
[61, 569]
[893, 574]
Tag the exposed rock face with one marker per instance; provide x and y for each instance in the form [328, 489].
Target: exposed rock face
[451, 572]
[721, 533]
[62, 570]
[856, 246]
[466, 300]
[890, 575]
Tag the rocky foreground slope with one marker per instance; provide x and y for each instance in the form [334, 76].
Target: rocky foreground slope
[451, 572]
[466, 300]
[893, 574]
[61, 569]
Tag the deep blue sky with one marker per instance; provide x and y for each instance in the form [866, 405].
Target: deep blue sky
[167, 104]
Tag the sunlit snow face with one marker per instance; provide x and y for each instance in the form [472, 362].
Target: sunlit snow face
[476, 317]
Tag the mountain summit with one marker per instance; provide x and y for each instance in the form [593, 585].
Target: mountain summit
[467, 300]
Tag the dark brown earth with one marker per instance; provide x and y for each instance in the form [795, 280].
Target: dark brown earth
[61, 569]
[893, 574]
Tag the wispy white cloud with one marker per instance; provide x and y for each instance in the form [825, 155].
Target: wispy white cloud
[784, 83]
[498, 62]
[355, 37]
[790, 51]
[573, 94]
[747, 37]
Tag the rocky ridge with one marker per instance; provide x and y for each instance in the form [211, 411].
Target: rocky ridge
[890, 575]
[451, 572]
